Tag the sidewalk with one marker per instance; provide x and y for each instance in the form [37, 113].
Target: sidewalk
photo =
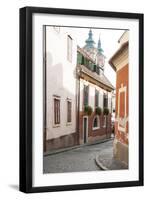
[105, 160]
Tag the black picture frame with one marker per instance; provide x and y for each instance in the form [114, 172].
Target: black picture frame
[26, 97]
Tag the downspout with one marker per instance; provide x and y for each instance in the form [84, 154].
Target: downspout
[78, 102]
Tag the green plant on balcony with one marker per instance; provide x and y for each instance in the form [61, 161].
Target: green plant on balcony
[88, 110]
[106, 111]
[98, 111]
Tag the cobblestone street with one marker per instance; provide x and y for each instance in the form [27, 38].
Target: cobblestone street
[75, 160]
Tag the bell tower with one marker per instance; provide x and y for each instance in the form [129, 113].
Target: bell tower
[90, 45]
[89, 42]
[100, 56]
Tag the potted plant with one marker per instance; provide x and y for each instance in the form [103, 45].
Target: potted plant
[88, 110]
[106, 111]
[98, 111]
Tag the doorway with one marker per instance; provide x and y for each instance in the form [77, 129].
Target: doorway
[85, 129]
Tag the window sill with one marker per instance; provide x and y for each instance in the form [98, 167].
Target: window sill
[68, 123]
[95, 128]
[56, 125]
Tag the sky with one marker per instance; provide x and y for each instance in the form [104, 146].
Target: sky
[109, 42]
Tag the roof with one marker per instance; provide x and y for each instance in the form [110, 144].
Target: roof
[99, 78]
[117, 53]
[85, 54]
[124, 37]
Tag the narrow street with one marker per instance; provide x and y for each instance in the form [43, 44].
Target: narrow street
[75, 160]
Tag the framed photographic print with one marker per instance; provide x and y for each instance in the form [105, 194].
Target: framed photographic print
[81, 99]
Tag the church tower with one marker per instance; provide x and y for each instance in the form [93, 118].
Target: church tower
[100, 56]
[89, 42]
[90, 45]
[96, 53]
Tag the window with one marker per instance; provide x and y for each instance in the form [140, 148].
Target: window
[56, 111]
[69, 105]
[96, 123]
[79, 58]
[86, 94]
[83, 60]
[96, 98]
[105, 101]
[69, 48]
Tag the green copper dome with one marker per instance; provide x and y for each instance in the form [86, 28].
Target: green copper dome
[90, 42]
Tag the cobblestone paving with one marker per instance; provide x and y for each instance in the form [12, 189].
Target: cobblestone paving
[106, 159]
[75, 160]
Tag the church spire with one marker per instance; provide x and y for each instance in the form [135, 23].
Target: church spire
[99, 48]
[90, 42]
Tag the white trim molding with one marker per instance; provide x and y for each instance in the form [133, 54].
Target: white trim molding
[122, 121]
[58, 98]
[98, 122]
[68, 123]
[122, 60]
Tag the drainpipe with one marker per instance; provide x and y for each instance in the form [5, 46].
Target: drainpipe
[78, 102]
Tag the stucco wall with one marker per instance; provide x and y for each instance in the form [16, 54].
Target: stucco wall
[97, 134]
[122, 82]
[92, 88]
[60, 81]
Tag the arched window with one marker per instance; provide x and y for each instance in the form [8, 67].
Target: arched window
[96, 123]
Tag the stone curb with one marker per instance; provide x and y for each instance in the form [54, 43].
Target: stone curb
[99, 164]
[75, 147]
[117, 166]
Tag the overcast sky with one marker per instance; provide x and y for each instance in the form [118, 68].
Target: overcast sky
[109, 41]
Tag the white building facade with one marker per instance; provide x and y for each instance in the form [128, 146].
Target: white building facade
[60, 91]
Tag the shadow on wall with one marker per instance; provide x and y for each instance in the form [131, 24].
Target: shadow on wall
[56, 81]
[54, 72]
[57, 77]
